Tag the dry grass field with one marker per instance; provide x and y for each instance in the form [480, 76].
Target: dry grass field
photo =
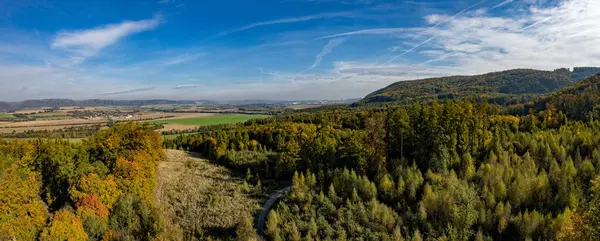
[199, 195]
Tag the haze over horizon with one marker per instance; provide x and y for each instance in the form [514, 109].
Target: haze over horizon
[277, 50]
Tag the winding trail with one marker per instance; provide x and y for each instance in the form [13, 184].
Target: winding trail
[260, 223]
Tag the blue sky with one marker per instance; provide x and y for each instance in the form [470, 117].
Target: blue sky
[284, 49]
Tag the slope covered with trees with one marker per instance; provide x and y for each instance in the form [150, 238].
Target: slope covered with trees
[99, 189]
[580, 101]
[448, 171]
[506, 87]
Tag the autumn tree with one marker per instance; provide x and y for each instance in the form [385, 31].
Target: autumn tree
[22, 212]
[64, 226]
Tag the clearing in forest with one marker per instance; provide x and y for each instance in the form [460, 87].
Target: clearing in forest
[204, 199]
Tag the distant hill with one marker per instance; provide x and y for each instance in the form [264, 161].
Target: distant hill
[578, 102]
[4, 106]
[505, 87]
[580, 73]
[7, 106]
[56, 103]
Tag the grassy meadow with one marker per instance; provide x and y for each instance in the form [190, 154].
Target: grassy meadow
[204, 199]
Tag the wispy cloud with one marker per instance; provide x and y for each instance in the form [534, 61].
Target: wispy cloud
[184, 58]
[287, 20]
[119, 92]
[438, 21]
[326, 50]
[540, 38]
[189, 86]
[87, 43]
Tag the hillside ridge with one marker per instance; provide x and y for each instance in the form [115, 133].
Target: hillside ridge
[502, 87]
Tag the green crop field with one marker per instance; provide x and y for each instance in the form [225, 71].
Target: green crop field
[212, 120]
[6, 116]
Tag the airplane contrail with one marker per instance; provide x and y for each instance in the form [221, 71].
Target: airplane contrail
[435, 36]
[503, 3]
[536, 23]
[452, 17]
[411, 49]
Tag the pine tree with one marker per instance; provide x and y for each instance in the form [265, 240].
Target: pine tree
[245, 230]
[294, 233]
[273, 223]
[397, 235]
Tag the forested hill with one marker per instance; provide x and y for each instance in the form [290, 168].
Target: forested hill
[505, 87]
[578, 102]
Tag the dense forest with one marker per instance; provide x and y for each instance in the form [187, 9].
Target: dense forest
[455, 170]
[452, 170]
[99, 189]
[504, 88]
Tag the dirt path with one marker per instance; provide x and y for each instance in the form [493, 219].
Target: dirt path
[260, 223]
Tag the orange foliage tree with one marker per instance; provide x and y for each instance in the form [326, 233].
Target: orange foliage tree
[105, 189]
[91, 205]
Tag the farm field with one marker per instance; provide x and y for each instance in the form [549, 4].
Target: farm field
[214, 119]
[72, 140]
[6, 127]
[6, 116]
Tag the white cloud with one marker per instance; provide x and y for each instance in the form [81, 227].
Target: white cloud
[87, 43]
[540, 36]
[545, 38]
[432, 52]
[326, 50]
[561, 35]
[436, 18]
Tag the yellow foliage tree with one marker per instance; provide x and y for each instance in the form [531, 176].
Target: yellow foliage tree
[64, 226]
[23, 213]
[137, 176]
